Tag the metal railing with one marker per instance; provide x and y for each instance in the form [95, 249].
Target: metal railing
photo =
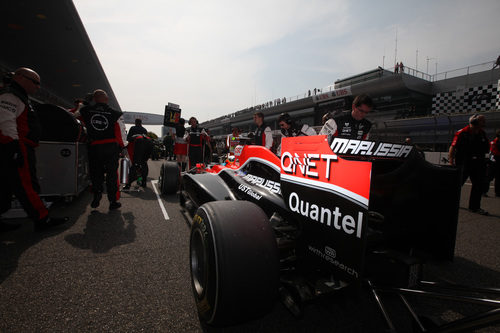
[447, 74]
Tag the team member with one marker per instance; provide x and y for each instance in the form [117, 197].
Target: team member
[352, 125]
[290, 128]
[495, 152]
[263, 134]
[233, 140]
[106, 136]
[180, 146]
[139, 150]
[196, 140]
[136, 129]
[467, 151]
[19, 135]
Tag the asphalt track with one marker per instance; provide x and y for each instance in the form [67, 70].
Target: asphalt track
[128, 271]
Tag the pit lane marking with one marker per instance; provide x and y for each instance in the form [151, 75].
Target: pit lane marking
[164, 211]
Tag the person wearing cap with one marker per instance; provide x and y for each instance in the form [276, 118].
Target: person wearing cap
[19, 136]
[467, 152]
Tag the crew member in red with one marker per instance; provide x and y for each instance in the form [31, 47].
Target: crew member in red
[467, 151]
[139, 150]
[352, 125]
[495, 152]
[106, 134]
[196, 141]
[19, 135]
[263, 134]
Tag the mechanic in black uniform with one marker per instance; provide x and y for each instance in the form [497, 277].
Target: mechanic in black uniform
[196, 141]
[352, 125]
[105, 131]
[467, 152]
[263, 135]
[291, 128]
[139, 150]
[19, 136]
[136, 129]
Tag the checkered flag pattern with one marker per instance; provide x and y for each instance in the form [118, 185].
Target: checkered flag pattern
[480, 98]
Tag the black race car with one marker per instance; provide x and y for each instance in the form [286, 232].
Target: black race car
[326, 216]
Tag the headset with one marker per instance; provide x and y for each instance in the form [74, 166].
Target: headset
[286, 118]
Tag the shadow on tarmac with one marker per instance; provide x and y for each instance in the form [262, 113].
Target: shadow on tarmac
[14, 243]
[105, 231]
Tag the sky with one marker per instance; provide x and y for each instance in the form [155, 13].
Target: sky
[217, 57]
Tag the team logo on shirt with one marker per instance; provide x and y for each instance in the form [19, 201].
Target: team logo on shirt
[99, 122]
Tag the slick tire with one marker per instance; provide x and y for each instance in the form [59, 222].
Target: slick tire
[169, 178]
[234, 262]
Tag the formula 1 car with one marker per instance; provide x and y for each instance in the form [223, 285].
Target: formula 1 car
[329, 215]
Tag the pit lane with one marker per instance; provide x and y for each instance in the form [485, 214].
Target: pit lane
[128, 270]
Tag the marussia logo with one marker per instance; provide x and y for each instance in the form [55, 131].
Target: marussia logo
[369, 148]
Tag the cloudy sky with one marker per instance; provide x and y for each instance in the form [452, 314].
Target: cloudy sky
[216, 57]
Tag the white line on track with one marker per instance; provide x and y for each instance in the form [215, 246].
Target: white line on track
[164, 211]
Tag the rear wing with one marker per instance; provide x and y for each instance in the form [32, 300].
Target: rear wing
[335, 189]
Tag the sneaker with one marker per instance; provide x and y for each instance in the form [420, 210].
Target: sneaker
[114, 205]
[6, 227]
[49, 223]
[479, 211]
[96, 201]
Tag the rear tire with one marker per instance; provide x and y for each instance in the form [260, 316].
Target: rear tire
[169, 178]
[234, 262]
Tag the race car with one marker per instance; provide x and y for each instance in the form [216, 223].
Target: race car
[330, 214]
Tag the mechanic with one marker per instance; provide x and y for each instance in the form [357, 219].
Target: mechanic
[495, 153]
[263, 135]
[180, 146]
[105, 130]
[196, 143]
[233, 140]
[136, 129]
[467, 152]
[139, 150]
[19, 136]
[291, 128]
[352, 125]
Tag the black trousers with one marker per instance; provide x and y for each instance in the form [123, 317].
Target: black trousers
[195, 156]
[22, 182]
[103, 165]
[475, 169]
[142, 150]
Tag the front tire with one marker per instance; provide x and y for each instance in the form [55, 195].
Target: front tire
[169, 178]
[234, 262]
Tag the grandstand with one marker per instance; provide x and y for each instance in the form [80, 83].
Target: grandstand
[427, 108]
